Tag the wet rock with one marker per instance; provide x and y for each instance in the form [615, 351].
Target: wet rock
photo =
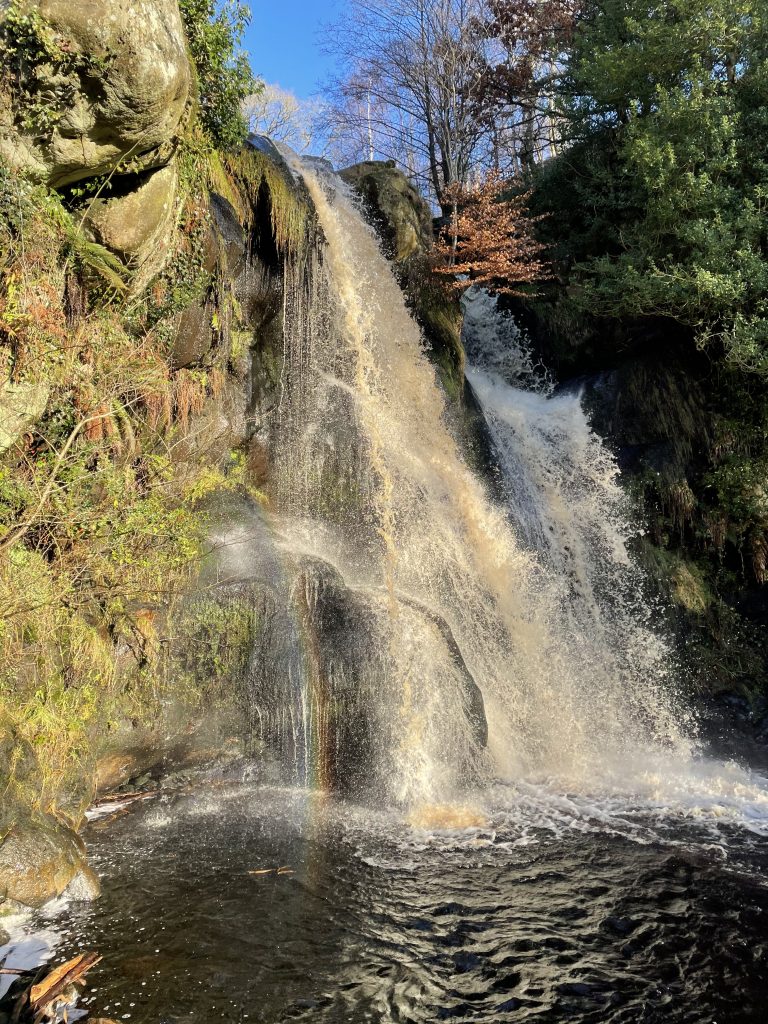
[474, 704]
[194, 335]
[230, 233]
[114, 92]
[38, 860]
[115, 769]
[84, 886]
[399, 213]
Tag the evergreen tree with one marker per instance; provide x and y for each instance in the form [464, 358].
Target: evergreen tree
[665, 107]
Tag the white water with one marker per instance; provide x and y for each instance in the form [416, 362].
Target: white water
[539, 594]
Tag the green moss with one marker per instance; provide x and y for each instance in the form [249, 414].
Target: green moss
[245, 175]
[219, 632]
[438, 313]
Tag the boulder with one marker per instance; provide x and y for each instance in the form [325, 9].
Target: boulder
[232, 240]
[39, 859]
[194, 334]
[136, 226]
[400, 214]
[114, 89]
[84, 886]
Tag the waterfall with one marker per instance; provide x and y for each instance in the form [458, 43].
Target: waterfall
[447, 639]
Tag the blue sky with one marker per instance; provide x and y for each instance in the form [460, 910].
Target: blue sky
[284, 45]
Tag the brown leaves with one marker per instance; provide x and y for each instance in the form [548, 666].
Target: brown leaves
[490, 239]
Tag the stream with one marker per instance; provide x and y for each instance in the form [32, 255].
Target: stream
[547, 908]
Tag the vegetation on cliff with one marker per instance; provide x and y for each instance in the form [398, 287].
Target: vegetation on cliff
[224, 74]
[106, 457]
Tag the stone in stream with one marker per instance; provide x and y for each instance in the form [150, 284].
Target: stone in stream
[40, 860]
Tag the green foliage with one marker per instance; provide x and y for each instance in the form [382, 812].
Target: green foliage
[657, 220]
[215, 32]
[218, 633]
[99, 531]
[665, 105]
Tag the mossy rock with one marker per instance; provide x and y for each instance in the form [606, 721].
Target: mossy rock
[136, 226]
[95, 85]
[401, 216]
[40, 860]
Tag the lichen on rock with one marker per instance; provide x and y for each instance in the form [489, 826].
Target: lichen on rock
[91, 87]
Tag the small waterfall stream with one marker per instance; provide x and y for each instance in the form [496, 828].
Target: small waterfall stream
[432, 617]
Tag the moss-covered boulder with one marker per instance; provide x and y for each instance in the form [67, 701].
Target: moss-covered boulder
[400, 214]
[40, 860]
[93, 86]
[136, 226]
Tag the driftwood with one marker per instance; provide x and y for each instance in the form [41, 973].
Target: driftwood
[36, 1003]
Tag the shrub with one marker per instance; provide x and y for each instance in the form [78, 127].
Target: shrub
[215, 32]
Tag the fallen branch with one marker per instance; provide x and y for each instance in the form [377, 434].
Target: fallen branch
[35, 1003]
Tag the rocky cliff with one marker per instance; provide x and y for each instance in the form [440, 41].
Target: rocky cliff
[139, 336]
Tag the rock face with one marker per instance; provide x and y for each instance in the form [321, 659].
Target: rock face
[402, 217]
[114, 87]
[40, 860]
[138, 224]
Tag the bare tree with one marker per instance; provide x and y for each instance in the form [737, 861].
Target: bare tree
[283, 117]
[412, 75]
[523, 65]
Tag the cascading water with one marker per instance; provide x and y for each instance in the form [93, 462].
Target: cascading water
[434, 606]
[487, 665]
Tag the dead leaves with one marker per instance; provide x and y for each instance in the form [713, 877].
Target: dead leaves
[490, 239]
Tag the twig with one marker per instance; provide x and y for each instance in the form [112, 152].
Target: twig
[23, 528]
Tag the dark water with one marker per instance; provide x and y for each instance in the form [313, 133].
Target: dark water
[379, 922]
